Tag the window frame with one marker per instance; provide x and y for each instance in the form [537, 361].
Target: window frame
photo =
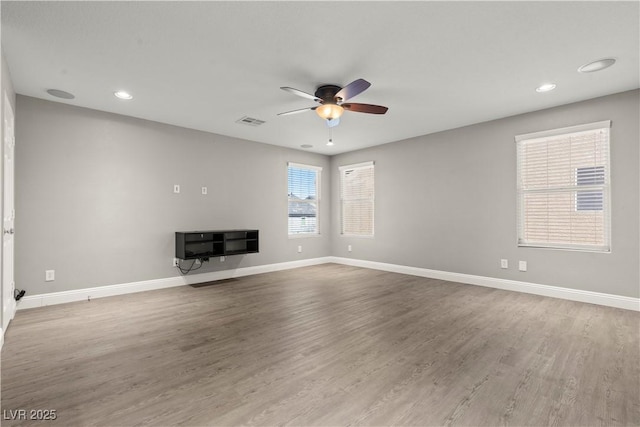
[318, 171]
[342, 170]
[605, 188]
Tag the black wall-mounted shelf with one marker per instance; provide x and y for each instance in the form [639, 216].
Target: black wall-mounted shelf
[205, 244]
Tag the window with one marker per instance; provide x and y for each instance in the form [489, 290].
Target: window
[357, 199]
[304, 199]
[564, 187]
[589, 200]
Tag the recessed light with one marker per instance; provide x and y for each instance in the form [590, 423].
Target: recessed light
[546, 87]
[123, 95]
[598, 65]
[306, 146]
[60, 94]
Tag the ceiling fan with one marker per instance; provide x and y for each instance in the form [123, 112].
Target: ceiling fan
[332, 101]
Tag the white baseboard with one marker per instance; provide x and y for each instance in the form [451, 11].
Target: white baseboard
[32, 301]
[11, 313]
[627, 303]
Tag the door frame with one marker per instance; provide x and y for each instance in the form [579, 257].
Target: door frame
[8, 310]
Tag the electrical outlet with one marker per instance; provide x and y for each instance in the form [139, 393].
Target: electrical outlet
[504, 263]
[49, 275]
[176, 262]
[198, 262]
[176, 188]
[522, 266]
[299, 249]
[349, 248]
[222, 258]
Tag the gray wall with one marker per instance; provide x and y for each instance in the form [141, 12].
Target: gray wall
[447, 201]
[95, 197]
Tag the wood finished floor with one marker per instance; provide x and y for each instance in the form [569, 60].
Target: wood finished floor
[325, 345]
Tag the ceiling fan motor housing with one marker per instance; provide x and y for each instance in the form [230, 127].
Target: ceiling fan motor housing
[328, 93]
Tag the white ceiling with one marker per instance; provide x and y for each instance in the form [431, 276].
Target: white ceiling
[204, 65]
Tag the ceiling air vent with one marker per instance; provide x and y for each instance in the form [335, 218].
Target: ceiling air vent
[249, 121]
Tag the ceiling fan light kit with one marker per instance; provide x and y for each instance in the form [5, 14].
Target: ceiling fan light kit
[329, 111]
[331, 99]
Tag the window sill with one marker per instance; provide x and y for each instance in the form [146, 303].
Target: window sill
[563, 248]
[303, 235]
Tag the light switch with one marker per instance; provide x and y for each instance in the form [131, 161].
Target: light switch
[204, 190]
[504, 263]
[176, 188]
[49, 275]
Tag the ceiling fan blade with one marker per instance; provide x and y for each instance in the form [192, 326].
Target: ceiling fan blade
[352, 89]
[302, 110]
[301, 93]
[365, 108]
[333, 123]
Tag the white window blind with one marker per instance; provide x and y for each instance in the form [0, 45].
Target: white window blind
[357, 199]
[564, 188]
[304, 199]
